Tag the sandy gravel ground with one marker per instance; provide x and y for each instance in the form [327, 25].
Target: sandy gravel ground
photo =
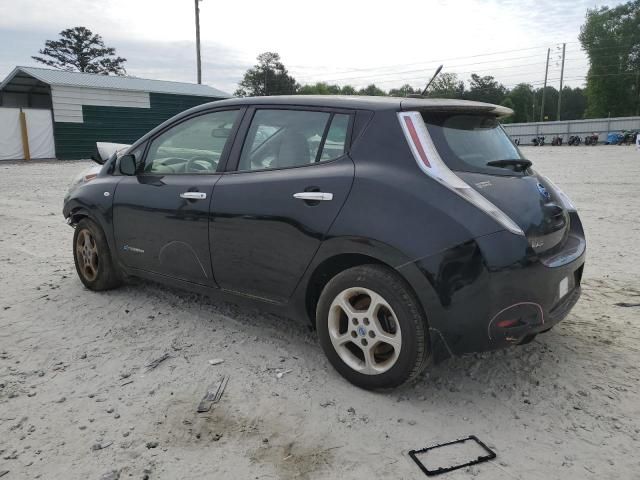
[76, 401]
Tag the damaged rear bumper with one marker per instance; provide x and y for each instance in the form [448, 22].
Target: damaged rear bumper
[494, 292]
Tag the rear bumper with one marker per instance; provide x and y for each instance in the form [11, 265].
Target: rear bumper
[494, 292]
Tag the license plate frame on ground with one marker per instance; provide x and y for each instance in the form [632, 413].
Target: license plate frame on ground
[437, 471]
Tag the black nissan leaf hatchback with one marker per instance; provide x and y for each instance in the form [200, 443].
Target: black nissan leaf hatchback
[405, 230]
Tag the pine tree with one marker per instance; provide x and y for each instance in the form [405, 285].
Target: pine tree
[80, 50]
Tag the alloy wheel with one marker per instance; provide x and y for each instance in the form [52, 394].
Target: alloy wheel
[364, 331]
[87, 255]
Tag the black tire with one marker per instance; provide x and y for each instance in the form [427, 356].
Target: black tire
[414, 349]
[94, 264]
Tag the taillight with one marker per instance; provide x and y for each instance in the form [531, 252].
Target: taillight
[566, 202]
[429, 161]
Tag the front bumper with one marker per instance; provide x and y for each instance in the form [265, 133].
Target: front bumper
[494, 291]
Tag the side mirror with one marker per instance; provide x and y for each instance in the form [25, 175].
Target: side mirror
[128, 164]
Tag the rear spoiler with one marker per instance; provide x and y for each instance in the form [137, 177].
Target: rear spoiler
[446, 105]
[104, 150]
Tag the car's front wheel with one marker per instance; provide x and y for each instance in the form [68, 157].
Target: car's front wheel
[371, 327]
[92, 257]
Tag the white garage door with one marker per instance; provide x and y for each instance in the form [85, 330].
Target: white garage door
[10, 138]
[39, 131]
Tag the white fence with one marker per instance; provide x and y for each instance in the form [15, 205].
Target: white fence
[525, 132]
[39, 134]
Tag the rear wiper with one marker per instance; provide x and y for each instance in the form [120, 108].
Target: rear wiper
[520, 162]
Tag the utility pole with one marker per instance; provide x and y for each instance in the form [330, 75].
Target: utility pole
[533, 106]
[564, 47]
[198, 41]
[544, 89]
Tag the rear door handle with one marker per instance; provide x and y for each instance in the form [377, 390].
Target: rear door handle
[314, 196]
[193, 195]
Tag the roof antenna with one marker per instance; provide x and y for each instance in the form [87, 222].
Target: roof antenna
[424, 92]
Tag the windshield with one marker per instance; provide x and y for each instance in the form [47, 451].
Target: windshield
[468, 142]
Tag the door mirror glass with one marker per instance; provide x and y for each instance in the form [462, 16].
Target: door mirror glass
[128, 165]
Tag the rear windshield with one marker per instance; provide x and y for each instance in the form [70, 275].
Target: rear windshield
[468, 142]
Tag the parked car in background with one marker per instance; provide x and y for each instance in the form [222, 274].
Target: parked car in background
[404, 230]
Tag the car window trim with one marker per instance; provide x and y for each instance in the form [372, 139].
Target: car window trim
[234, 158]
[324, 138]
[225, 152]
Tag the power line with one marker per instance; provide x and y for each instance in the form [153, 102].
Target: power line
[427, 64]
[426, 71]
[435, 61]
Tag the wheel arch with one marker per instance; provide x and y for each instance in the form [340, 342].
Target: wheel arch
[328, 269]
[76, 214]
[339, 254]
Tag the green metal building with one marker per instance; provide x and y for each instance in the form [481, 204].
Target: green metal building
[89, 108]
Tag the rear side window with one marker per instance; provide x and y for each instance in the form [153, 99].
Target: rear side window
[469, 142]
[293, 138]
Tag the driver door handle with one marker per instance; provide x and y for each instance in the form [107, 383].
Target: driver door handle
[193, 195]
[314, 196]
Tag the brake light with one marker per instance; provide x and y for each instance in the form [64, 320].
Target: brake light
[429, 161]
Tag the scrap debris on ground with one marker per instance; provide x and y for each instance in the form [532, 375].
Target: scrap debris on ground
[567, 405]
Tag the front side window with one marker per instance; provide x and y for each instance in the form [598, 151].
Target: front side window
[193, 146]
[292, 138]
[469, 142]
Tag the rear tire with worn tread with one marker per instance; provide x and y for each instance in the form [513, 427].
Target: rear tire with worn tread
[92, 257]
[392, 290]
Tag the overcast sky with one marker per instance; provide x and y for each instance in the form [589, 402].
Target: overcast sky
[339, 41]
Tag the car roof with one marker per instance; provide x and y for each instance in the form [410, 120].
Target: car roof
[363, 102]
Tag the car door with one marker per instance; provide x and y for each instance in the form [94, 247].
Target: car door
[269, 216]
[161, 215]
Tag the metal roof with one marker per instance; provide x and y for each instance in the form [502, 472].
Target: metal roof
[112, 82]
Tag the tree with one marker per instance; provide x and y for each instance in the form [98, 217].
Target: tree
[268, 77]
[403, 91]
[348, 90]
[80, 50]
[550, 103]
[372, 90]
[485, 89]
[574, 103]
[447, 85]
[611, 38]
[322, 88]
[522, 99]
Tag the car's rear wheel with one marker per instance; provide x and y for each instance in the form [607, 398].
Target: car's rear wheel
[92, 257]
[371, 327]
